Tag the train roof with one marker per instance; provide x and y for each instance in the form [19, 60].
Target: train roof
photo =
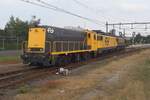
[106, 34]
[97, 31]
[46, 26]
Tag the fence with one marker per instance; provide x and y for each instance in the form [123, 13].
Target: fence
[10, 43]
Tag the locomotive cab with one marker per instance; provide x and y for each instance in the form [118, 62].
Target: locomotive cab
[36, 40]
[34, 49]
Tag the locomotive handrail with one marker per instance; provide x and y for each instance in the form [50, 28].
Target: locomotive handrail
[24, 46]
[50, 49]
[81, 45]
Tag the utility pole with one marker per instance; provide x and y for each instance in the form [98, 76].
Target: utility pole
[17, 38]
[107, 28]
[124, 32]
[133, 37]
[3, 45]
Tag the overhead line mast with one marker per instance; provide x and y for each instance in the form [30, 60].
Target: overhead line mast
[127, 24]
[130, 24]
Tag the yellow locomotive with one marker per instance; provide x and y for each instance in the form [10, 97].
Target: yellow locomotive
[48, 45]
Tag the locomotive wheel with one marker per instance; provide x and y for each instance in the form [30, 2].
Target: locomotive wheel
[33, 64]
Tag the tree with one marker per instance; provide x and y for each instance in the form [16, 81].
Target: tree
[138, 38]
[147, 39]
[2, 32]
[16, 27]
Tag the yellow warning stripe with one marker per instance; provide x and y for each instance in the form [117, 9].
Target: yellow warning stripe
[68, 52]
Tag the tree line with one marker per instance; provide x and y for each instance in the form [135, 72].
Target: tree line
[139, 39]
[16, 27]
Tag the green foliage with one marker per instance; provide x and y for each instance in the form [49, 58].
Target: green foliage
[141, 39]
[16, 27]
[147, 39]
[2, 32]
[138, 38]
[14, 33]
[9, 58]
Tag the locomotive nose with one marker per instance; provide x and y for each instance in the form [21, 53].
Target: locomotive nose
[36, 40]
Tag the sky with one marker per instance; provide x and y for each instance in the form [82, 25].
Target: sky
[102, 10]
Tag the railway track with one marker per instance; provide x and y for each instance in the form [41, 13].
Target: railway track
[11, 79]
[17, 77]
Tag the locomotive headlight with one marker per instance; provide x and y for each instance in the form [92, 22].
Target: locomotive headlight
[41, 49]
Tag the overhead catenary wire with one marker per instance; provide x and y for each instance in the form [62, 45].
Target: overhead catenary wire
[82, 4]
[101, 12]
[40, 5]
[91, 9]
[87, 7]
[68, 12]
[55, 8]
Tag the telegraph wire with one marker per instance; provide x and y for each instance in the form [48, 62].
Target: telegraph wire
[65, 11]
[55, 8]
[36, 4]
[90, 8]
[97, 11]
[82, 4]
[86, 6]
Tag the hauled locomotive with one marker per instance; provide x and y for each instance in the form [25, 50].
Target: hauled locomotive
[48, 45]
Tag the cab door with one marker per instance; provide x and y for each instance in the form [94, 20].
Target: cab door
[92, 40]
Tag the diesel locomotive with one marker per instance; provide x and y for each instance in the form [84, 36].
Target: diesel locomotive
[48, 45]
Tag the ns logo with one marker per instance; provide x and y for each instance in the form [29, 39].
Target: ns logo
[50, 30]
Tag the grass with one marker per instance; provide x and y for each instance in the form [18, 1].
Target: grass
[10, 46]
[143, 75]
[143, 72]
[124, 79]
[9, 58]
[137, 84]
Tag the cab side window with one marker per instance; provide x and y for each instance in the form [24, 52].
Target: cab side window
[100, 38]
[89, 36]
[94, 37]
